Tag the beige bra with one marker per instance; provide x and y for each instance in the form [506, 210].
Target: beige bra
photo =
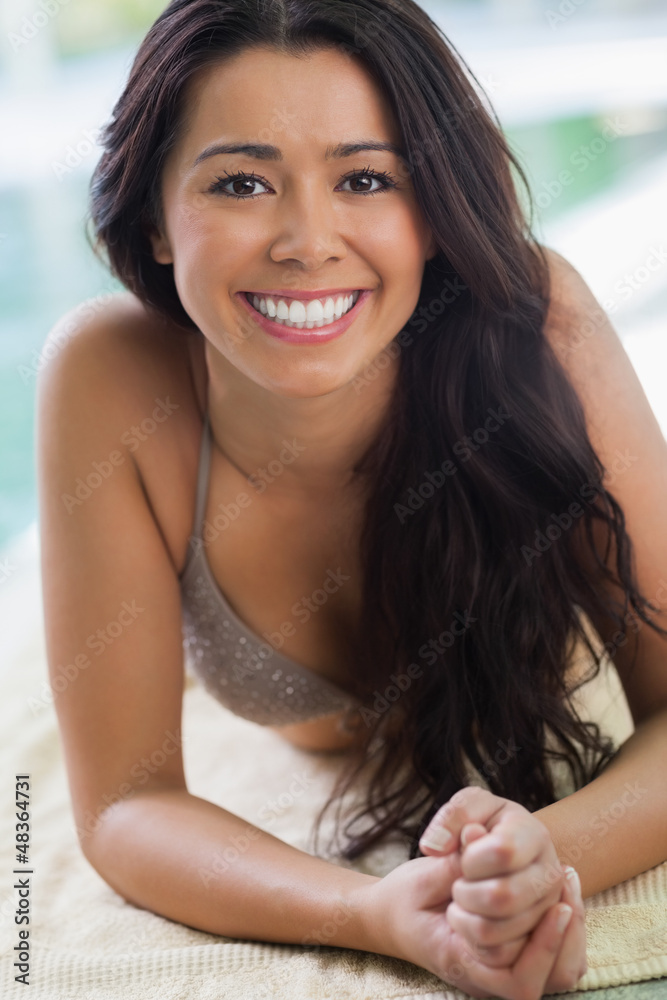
[246, 674]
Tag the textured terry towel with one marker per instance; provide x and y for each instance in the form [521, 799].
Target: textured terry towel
[87, 942]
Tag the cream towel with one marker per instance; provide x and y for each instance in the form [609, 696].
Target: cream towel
[87, 942]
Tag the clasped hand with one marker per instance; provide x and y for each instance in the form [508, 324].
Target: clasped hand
[482, 910]
[507, 903]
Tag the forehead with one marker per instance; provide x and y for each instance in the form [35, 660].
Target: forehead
[260, 93]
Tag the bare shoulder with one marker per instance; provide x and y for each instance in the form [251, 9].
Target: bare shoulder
[581, 333]
[117, 341]
[577, 326]
[126, 382]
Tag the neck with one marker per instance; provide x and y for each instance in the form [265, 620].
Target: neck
[305, 447]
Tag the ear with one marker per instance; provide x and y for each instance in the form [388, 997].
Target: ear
[160, 244]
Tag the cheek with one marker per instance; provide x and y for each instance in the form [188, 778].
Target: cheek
[203, 251]
[399, 240]
[401, 261]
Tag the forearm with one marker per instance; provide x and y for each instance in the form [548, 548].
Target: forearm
[189, 860]
[614, 827]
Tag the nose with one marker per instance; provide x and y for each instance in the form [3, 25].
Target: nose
[308, 228]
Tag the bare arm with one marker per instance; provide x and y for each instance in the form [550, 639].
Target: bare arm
[104, 560]
[192, 861]
[152, 841]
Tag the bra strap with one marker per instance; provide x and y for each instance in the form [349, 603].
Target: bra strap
[202, 483]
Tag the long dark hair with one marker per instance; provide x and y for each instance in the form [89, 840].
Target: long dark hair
[474, 587]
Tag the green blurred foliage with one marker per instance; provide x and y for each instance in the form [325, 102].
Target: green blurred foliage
[90, 25]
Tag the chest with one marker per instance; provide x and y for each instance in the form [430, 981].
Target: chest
[289, 570]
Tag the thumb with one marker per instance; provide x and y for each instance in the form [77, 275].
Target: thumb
[439, 877]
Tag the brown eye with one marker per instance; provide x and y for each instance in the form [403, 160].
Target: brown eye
[238, 180]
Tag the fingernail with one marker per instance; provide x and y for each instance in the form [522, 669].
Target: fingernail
[437, 839]
[573, 878]
[564, 914]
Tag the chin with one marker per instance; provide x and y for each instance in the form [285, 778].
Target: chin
[305, 385]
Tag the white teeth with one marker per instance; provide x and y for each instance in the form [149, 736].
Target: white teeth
[297, 312]
[315, 313]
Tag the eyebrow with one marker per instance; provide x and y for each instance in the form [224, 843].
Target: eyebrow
[262, 151]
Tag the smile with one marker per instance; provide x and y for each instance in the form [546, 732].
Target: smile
[305, 322]
[299, 315]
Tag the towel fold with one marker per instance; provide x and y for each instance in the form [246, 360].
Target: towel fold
[86, 941]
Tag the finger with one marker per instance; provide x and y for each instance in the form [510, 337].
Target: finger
[472, 832]
[570, 965]
[487, 932]
[513, 844]
[507, 895]
[436, 879]
[528, 975]
[469, 805]
[502, 955]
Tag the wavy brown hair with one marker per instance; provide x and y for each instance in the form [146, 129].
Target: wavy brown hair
[468, 618]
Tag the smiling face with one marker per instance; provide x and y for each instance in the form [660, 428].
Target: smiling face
[298, 222]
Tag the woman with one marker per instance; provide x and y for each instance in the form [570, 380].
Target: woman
[349, 430]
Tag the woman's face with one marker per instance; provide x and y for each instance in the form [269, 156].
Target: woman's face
[304, 226]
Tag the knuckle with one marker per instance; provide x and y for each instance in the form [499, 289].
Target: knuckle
[501, 895]
[504, 853]
[456, 805]
[470, 793]
[485, 932]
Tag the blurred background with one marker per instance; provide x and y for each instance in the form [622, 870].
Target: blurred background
[579, 86]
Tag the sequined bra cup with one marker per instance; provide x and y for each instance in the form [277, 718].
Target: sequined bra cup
[242, 671]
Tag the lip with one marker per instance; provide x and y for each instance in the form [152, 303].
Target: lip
[293, 336]
[323, 293]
